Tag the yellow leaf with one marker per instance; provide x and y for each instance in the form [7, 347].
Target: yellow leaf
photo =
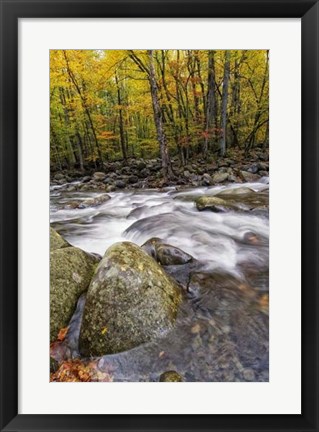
[104, 330]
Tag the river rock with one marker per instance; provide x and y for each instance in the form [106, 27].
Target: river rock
[220, 177]
[59, 176]
[144, 173]
[253, 169]
[133, 179]
[140, 165]
[207, 180]
[71, 270]
[130, 301]
[165, 254]
[213, 203]
[120, 184]
[235, 191]
[263, 166]
[99, 176]
[249, 177]
[170, 376]
[94, 202]
[57, 241]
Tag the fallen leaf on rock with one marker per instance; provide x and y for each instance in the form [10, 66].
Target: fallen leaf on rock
[62, 333]
[104, 330]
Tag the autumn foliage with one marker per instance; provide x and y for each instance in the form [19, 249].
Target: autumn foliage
[101, 103]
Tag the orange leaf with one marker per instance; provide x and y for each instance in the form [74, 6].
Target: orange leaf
[62, 333]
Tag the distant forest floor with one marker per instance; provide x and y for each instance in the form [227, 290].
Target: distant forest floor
[138, 173]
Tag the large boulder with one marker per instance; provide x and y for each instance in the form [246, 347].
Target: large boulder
[56, 241]
[130, 301]
[71, 270]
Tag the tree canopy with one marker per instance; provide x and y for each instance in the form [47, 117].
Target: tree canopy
[116, 104]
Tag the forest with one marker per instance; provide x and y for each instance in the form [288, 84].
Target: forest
[110, 105]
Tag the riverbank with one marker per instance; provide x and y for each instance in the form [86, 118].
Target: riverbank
[145, 174]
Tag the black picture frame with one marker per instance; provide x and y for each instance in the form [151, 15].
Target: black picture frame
[11, 11]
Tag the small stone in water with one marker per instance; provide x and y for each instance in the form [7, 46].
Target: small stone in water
[195, 329]
[170, 376]
[248, 374]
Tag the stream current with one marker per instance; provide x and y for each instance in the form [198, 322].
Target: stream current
[222, 328]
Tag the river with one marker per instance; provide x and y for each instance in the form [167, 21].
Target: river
[222, 328]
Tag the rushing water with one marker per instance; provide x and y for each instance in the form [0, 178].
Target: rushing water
[222, 330]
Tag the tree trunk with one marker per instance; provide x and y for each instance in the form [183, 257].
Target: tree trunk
[259, 110]
[224, 104]
[122, 135]
[84, 104]
[166, 163]
[79, 146]
[210, 104]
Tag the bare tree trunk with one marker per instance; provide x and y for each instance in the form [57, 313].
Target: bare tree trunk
[210, 105]
[79, 146]
[224, 104]
[166, 163]
[235, 109]
[122, 136]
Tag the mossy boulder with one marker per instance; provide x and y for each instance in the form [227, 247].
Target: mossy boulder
[71, 270]
[212, 203]
[130, 301]
[56, 241]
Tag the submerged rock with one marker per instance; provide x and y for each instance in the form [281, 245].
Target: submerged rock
[89, 202]
[130, 301]
[71, 270]
[170, 376]
[94, 202]
[57, 241]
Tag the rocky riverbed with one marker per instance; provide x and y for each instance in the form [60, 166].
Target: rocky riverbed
[161, 285]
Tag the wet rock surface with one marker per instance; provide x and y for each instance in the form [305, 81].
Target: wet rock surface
[130, 301]
[56, 241]
[71, 270]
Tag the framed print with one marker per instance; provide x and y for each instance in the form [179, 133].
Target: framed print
[158, 209]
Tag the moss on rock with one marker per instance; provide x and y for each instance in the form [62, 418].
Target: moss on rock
[130, 301]
[71, 270]
[212, 203]
[57, 241]
[171, 376]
